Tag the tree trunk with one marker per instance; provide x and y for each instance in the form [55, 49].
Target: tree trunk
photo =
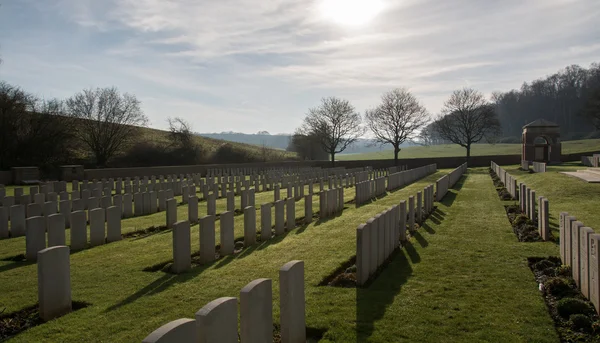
[468, 152]
[100, 160]
[396, 151]
[332, 159]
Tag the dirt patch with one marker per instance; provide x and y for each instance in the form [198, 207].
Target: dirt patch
[525, 229]
[16, 258]
[343, 276]
[145, 232]
[574, 316]
[11, 324]
[313, 335]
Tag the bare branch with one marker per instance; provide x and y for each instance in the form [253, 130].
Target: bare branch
[335, 123]
[109, 120]
[467, 118]
[397, 119]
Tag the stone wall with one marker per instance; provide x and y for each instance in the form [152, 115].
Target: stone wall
[5, 177]
[442, 162]
[411, 163]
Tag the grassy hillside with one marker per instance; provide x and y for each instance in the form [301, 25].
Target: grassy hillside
[451, 150]
[212, 144]
[209, 146]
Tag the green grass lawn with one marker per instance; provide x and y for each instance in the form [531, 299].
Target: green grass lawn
[565, 193]
[451, 150]
[462, 277]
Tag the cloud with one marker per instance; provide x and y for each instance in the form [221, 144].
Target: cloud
[242, 63]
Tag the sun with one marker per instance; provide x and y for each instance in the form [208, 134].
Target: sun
[351, 12]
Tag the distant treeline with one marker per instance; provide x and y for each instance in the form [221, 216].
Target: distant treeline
[560, 98]
[282, 141]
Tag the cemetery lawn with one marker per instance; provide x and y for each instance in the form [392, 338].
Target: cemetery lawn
[451, 150]
[565, 193]
[462, 277]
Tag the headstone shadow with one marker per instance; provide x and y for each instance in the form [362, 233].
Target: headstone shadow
[422, 242]
[373, 301]
[411, 252]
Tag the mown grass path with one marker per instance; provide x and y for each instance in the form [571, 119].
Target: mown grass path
[463, 277]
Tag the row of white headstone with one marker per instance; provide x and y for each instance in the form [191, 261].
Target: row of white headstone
[579, 249]
[105, 227]
[527, 200]
[217, 321]
[591, 161]
[377, 239]
[401, 178]
[528, 206]
[443, 184]
[539, 167]
[331, 202]
[285, 220]
[372, 188]
[509, 181]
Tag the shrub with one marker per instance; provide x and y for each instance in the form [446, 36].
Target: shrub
[559, 287]
[543, 264]
[521, 219]
[569, 306]
[510, 140]
[580, 322]
[227, 153]
[563, 270]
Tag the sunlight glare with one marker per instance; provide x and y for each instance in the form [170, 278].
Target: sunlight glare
[351, 12]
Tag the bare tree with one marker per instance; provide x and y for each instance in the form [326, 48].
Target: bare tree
[180, 131]
[397, 119]
[467, 118]
[335, 123]
[109, 120]
[184, 148]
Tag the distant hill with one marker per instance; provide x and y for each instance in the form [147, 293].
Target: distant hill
[281, 141]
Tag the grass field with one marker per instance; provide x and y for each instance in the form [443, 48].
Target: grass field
[565, 193]
[452, 150]
[462, 277]
[209, 146]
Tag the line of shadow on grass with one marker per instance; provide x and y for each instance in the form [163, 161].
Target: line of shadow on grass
[372, 301]
[450, 197]
[168, 279]
[260, 246]
[19, 260]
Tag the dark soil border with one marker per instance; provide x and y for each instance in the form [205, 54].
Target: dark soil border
[12, 324]
[500, 186]
[573, 323]
[313, 335]
[524, 228]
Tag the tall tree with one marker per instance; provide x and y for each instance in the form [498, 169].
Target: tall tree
[396, 119]
[335, 123]
[467, 118]
[592, 108]
[109, 120]
[308, 147]
[559, 98]
[28, 125]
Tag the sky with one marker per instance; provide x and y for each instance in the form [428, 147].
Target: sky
[249, 66]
